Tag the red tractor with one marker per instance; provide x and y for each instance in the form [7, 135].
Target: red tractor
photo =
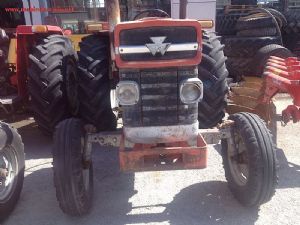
[169, 78]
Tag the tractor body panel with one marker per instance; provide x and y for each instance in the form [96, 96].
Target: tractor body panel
[158, 56]
[131, 40]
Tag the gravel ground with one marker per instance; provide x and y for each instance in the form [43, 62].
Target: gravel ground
[173, 197]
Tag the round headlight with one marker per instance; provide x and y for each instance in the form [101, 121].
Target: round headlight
[191, 91]
[127, 92]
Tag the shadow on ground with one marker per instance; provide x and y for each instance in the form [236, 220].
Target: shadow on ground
[288, 172]
[37, 145]
[203, 203]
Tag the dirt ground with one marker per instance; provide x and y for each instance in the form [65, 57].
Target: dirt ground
[173, 197]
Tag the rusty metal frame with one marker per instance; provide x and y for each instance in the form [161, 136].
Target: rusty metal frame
[170, 156]
[190, 154]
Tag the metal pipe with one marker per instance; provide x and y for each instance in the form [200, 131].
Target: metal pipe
[183, 9]
[113, 13]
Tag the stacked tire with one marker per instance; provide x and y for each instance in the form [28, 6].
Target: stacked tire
[226, 22]
[243, 2]
[291, 32]
[254, 32]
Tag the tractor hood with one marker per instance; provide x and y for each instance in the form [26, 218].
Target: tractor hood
[157, 43]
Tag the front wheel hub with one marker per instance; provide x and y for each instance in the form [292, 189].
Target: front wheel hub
[238, 161]
[8, 166]
[3, 175]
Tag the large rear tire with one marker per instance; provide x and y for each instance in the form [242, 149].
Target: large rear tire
[12, 165]
[73, 179]
[94, 84]
[52, 69]
[249, 160]
[213, 74]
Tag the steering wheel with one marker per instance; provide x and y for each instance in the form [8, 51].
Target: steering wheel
[151, 13]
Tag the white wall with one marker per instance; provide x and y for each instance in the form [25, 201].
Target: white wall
[36, 16]
[196, 9]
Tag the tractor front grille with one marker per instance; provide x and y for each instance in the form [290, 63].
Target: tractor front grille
[173, 35]
[159, 103]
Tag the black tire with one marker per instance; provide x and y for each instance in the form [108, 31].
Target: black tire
[94, 86]
[292, 42]
[12, 150]
[261, 32]
[52, 64]
[293, 22]
[213, 74]
[247, 46]
[263, 54]
[280, 18]
[73, 192]
[243, 2]
[296, 49]
[225, 23]
[255, 21]
[255, 184]
[239, 67]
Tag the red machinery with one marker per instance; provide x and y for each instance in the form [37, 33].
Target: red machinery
[283, 75]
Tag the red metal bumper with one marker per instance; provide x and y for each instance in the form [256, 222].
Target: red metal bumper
[171, 156]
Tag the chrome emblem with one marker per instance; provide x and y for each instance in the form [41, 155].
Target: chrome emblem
[158, 45]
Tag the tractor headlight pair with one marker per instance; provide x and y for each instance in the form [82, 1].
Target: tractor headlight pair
[191, 91]
[127, 92]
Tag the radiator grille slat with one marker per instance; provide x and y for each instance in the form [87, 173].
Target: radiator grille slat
[159, 97]
[160, 103]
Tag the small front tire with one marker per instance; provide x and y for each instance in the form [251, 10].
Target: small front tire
[249, 160]
[73, 179]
